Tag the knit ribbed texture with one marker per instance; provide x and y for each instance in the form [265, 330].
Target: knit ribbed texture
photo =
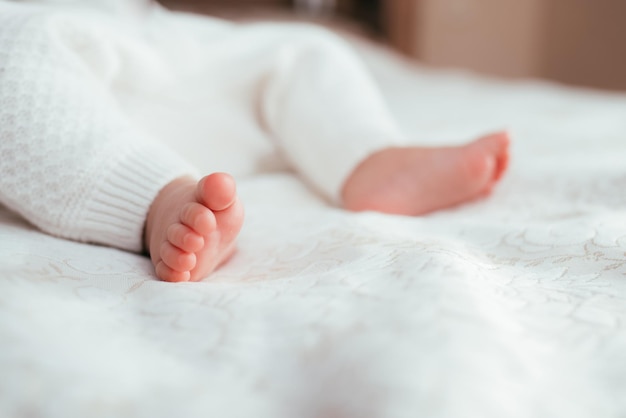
[77, 165]
[71, 164]
[116, 211]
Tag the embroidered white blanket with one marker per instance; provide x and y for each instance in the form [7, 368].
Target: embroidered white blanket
[512, 306]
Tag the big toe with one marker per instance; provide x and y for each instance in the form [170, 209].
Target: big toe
[497, 146]
[495, 142]
[230, 220]
[478, 170]
[216, 191]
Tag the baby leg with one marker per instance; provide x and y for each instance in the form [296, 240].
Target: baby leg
[417, 180]
[74, 165]
[331, 122]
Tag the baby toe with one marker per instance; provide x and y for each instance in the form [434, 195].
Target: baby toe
[503, 163]
[167, 274]
[229, 221]
[217, 191]
[198, 217]
[185, 238]
[177, 259]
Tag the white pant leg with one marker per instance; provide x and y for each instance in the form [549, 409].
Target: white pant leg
[303, 84]
[323, 109]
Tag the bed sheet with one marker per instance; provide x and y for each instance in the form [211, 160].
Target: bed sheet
[512, 306]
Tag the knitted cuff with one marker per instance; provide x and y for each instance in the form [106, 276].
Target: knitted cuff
[346, 156]
[116, 211]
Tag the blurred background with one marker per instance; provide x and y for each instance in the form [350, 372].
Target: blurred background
[577, 42]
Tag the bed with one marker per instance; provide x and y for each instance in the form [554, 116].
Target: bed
[513, 306]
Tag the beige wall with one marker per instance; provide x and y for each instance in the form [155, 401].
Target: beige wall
[203, 5]
[495, 36]
[585, 42]
[574, 41]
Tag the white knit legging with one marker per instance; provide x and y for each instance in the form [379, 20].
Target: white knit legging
[76, 161]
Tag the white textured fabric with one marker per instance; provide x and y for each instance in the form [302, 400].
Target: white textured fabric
[293, 96]
[85, 96]
[72, 163]
[512, 306]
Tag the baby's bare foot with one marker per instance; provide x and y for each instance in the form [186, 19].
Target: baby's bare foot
[416, 180]
[192, 226]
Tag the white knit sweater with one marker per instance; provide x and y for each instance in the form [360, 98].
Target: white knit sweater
[71, 163]
[76, 162]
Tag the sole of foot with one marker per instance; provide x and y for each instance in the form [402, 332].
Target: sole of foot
[419, 180]
[192, 227]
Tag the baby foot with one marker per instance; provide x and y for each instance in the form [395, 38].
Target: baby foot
[416, 180]
[192, 226]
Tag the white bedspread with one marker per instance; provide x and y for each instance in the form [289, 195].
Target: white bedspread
[514, 306]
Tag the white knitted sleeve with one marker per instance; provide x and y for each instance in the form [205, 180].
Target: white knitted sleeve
[70, 162]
